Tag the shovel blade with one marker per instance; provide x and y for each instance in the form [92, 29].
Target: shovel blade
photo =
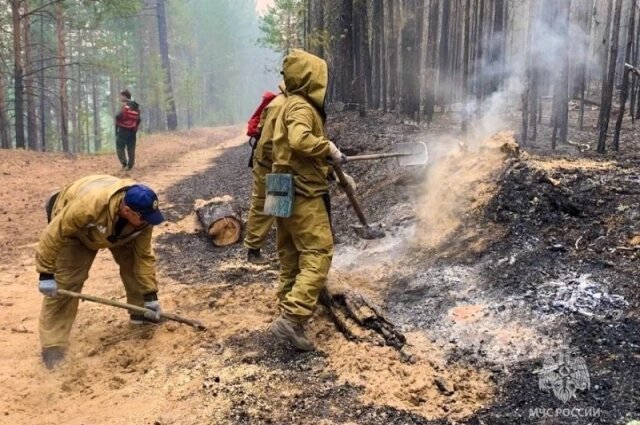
[373, 231]
[414, 153]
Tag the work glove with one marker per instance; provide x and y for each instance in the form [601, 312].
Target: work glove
[350, 182]
[336, 156]
[151, 303]
[47, 285]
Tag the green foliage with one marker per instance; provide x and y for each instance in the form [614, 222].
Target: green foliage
[283, 26]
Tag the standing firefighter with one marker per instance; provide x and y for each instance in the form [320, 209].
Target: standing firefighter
[127, 123]
[300, 153]
[258, 223]
[94, 213]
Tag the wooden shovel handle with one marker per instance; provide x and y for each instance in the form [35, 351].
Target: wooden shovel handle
[134, 308]
[352, 196]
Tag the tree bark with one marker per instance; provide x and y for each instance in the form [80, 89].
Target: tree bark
[392, 52]
[5, 135]
[221, 219]
[432, 60]
[32, 127]
[607, 86]
[172, 116]
[444, 82]
[63, 103]
[465, 64]
[18, 74]
[624, 93]
[378, 53]
[411, 45]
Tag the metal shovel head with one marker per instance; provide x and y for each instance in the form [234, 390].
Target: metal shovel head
[414, 153]
[372, 231]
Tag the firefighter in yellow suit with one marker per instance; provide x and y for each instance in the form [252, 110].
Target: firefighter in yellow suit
[90, 214]
[259, 224]
[304, 240]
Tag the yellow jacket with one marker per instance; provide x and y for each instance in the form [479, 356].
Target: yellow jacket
[87, 210]
[300, 146]
[264, 148]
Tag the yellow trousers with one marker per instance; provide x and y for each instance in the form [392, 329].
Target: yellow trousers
[258, 224]
[305, 249]
[72, 270]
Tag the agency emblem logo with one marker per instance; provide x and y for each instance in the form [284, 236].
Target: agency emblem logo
[564, 375]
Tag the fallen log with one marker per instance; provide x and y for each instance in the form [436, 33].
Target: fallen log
[354, 314]
[221, 218]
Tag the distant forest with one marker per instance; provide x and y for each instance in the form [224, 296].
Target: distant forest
[205, 62]
[418, 58]
[64, 62]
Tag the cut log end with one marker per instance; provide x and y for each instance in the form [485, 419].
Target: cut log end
[222, 218]
[225, 231]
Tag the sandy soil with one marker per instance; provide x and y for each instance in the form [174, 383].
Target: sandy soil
[170, 374]
[490, 263]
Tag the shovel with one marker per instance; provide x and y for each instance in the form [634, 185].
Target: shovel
[137, 309]
[366, 231]
[414, 153]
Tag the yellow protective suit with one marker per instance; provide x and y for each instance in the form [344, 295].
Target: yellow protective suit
[259, 224]
[83, 222]
[300, 147]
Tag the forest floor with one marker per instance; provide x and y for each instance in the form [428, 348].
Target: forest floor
[495, 259]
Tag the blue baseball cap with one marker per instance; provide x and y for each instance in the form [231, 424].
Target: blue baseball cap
[143, 200]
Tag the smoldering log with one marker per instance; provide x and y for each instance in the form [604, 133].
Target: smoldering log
[222, 220]
[351, 312]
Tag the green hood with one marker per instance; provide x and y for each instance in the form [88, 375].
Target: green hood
[306, 75]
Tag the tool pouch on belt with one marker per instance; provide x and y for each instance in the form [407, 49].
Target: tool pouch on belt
[280, 195]
[253, 142]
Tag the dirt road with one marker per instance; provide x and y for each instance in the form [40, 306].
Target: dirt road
[232, 374]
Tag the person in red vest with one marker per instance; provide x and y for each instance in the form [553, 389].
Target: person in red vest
[127, 124]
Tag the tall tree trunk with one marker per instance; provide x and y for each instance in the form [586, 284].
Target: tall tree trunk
[444, 80]
[583, 65]
[465, 63]
[432, 60]
[366, 55]
[607, 85]
[18, 74]
[378, 53]
[41, 82]
[63, 104]
[561, 85]
[624, 93]
[411, 47]
[383, 55]
[32, 126]
[348, 65]
[392, 52]
[172, 116]
[5, 135]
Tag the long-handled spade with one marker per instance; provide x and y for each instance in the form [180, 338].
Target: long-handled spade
[366, 231]
[407, 154]
[410, 153]
[134, 308]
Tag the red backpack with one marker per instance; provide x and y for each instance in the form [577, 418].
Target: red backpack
[253, 129]
[253, 126]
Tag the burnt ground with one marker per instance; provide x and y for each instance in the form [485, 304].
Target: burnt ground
[564, 266]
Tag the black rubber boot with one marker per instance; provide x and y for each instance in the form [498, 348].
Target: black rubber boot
[255, 257]
[52, 356]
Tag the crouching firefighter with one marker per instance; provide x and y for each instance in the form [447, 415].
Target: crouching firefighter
[90, 214]
[297, 193]
[260, 129]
